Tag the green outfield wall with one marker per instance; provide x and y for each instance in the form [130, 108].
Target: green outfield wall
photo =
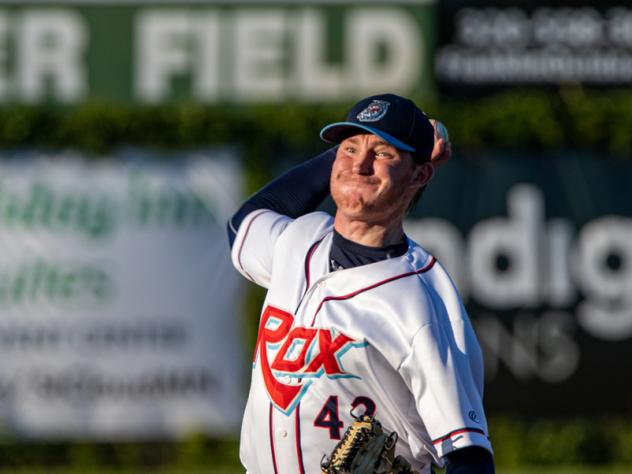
[213, 51]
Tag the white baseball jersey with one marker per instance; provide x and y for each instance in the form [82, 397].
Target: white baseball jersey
[390, 338]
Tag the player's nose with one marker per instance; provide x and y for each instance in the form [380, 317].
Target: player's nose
[363, 162]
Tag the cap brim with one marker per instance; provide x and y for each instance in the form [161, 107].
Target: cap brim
[337, 132]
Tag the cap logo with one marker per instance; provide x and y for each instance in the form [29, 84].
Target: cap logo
[374, 111]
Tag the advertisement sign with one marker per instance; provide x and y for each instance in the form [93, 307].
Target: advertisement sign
[493, 44]
[119, 308]
[541, 250]
[213, 51]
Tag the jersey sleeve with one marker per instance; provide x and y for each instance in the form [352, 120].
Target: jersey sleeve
[295, 193]
[253, 249]
[444, 373]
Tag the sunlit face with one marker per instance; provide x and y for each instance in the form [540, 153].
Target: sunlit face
[372, 180]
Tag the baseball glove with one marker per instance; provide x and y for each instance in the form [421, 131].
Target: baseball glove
[365, 448]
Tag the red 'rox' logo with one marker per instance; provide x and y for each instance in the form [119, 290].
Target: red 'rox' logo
[303, 353]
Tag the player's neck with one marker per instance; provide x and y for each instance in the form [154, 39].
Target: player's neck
[368, 233]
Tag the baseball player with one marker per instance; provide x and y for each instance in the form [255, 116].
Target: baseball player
[358, 318]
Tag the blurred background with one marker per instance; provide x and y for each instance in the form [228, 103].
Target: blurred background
[131, 129]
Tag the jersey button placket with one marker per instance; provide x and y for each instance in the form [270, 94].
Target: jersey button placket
[284, 444]
[312, 297]
[311, 303]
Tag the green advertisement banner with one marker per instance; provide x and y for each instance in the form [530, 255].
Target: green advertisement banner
[213, 51]
[119, 307]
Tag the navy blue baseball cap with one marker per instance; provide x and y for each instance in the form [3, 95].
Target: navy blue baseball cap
[395, 119]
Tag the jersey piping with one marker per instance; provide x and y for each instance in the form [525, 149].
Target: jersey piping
[308, 259]
[427, 267]
[274, 463]
[456, 432]
[297, 437]
[299, 449]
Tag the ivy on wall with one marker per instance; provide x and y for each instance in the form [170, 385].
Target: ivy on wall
[530, 119]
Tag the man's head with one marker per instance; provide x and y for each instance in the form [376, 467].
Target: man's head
[383, 161]
[394, 118]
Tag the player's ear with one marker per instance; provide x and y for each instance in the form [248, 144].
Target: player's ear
[422, 174]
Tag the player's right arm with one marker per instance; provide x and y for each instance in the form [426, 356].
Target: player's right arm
[296, 192]
[255, 227]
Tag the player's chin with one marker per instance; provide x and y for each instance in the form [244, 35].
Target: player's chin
[350, 204]
[359, 198]
[361, 208]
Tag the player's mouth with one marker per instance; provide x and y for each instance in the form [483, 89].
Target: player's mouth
[359, 179]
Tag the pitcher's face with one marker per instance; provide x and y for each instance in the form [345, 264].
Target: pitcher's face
[372, 180]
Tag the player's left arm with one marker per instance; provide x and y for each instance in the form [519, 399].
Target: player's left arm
[444, 375]
[470, 460]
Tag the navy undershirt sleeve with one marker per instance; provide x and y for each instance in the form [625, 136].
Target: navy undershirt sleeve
[296, 192]
[470, 460]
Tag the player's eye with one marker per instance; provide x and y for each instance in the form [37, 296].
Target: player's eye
[383, 154]
[350, 150]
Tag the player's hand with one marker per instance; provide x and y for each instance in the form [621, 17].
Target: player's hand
[442, 150]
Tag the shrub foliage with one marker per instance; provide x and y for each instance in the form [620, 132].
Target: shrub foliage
[561, 118]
